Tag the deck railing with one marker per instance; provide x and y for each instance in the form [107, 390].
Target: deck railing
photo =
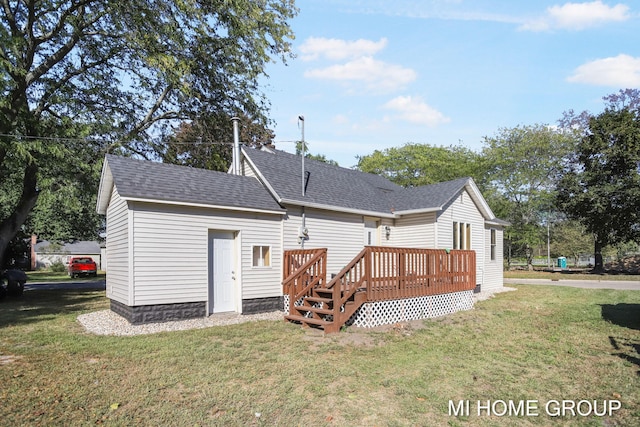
[377, 273]
[395, 273]
[385, 273]
[303, 269]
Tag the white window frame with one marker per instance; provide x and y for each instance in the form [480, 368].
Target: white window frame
[261, 258]
[493, 239]
[461, 235]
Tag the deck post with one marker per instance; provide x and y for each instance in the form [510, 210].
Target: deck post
[401, 271]
[367, 268]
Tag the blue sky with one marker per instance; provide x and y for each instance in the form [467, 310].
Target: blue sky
[370, 75]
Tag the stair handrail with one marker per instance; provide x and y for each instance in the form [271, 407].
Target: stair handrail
[290, 260]
[316, 264]
[350, 286]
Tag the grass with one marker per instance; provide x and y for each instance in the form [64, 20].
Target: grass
[537, 343]
[567, 275]
[56, 277]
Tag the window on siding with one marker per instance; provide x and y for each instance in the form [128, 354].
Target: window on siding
[261, 256]
[493, 245]
[461, 235]
[456, 236]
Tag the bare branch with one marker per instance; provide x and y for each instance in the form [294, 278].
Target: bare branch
[11, 18]
[62, 21]
[149, 119]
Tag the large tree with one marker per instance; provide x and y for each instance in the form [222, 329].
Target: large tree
[207, 142]
[569, 238]
[601, 186]
[523, 165]
[421, 164]
[123, 72]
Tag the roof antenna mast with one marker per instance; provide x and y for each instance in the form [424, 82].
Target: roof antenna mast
[302, 149]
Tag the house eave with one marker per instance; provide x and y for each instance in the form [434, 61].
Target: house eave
[417, 211]
[480, 201]
[202, 205]
[261, 177]
[336, 208]
[498, 222]
[104, 190]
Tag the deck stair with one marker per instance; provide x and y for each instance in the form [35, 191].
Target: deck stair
[327, 306]
[320, 309]
[375, 274]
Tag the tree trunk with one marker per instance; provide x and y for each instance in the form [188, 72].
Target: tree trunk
[598, 264]
[9, 227]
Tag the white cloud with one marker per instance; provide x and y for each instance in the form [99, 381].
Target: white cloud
[336, 49]
[377, 76]
[578, 16]
[340, 119]
[415, 110]
[619, 71]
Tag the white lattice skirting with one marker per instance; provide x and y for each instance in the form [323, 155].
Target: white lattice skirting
[373, 314]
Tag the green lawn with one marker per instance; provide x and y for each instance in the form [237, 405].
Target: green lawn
[53, 277]
[566, 275]
[537, 343]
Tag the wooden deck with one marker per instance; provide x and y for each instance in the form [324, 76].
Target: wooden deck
[377, 273]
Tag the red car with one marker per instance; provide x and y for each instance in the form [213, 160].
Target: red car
[82, 266]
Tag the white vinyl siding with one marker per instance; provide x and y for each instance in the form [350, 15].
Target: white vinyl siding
[463, 210]
[117, 249]
[341, 233]
[413, 231]
[384, 239]
[493, 275]
[246, 169]
[171, 247]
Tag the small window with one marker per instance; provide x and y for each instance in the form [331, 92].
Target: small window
[261, 256]
[467, 239]
[461, 235]
[493, 245]
[456, 236]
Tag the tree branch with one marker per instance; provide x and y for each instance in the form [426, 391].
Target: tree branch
[149, 119]
[11, 18]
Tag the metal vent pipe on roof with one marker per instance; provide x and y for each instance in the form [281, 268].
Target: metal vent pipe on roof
[236, 146]
[302, 151]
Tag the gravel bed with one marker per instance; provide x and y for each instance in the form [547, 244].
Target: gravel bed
[106, 322]
[486, 295]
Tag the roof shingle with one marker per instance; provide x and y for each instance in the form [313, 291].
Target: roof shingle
[347, 188]
[172, 183]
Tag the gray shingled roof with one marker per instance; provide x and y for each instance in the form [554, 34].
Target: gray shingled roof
[328, 185]
[429, 196]
[340, 187]
[79, 247]
[165, 182]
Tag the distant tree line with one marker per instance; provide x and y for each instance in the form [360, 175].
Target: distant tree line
[576, 183]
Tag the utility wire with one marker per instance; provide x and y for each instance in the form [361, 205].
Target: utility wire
[19, 138]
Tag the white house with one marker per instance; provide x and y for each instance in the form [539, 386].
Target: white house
[45, 253]
[184, 242]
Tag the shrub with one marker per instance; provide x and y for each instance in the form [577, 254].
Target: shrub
[58, 267]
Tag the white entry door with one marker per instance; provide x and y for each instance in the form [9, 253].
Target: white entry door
[370, 233]
[222, 280]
